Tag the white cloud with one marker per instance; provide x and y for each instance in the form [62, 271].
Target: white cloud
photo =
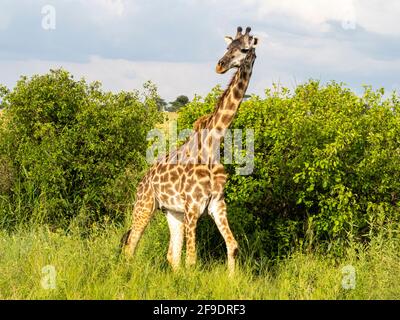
[116, 7]
[314, 12]
[104, 10]
[381, 17]
[373, 15]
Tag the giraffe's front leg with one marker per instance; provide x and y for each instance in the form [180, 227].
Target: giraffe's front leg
[176, 229]
[217, 209]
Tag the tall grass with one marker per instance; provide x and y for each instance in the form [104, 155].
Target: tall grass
[90, 268]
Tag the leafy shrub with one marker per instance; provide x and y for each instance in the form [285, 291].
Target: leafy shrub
[75, 149]
[327, 167]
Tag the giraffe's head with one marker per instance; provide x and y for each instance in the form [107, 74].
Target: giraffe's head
[237, 50]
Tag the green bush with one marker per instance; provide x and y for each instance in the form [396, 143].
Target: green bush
[74, 149]
[327, 168]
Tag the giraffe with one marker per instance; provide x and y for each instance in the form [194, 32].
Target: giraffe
[185, 184]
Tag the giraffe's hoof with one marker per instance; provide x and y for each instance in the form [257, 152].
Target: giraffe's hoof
[127, 252]
[175, 268]
[231, 268]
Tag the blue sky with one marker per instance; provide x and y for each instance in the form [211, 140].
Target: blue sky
[176, 44]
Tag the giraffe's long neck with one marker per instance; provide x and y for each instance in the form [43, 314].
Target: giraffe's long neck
[216, 124]
[231, 99]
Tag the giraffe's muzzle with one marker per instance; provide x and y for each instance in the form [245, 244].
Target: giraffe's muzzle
[221, 67]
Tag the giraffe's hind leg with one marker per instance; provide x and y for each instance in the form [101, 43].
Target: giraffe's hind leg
[177, 231]
[142, 214]
[192, 214]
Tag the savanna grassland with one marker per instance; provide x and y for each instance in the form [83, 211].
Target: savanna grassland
[90, 268]
[318, 217]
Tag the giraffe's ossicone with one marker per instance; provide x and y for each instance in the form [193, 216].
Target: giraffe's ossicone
[187, 184]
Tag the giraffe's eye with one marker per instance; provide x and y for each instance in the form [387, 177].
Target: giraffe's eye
[244, 50]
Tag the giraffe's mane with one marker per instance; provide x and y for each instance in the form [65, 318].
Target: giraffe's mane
[203, 122]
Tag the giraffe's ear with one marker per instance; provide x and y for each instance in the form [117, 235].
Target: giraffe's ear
[228, 39]
[255, 42]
